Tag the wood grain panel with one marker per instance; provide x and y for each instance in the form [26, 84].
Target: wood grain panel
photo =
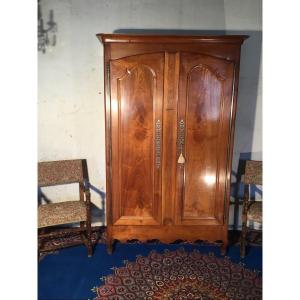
[136, 97]
[205, 97]
[136, 107]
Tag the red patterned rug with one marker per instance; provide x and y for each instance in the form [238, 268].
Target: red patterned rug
[179, 275]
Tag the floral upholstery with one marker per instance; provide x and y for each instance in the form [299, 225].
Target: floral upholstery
[253, 172]
[255, 211]
[61, 213]
[60, 172]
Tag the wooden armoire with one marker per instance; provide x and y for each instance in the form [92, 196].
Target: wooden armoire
[170, 105]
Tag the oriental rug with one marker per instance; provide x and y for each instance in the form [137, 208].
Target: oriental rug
[179, 275]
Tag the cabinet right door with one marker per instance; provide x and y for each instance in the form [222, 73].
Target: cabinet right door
[204, 121]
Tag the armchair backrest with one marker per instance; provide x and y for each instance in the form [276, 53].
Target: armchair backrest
[60, 172]
[253, 172]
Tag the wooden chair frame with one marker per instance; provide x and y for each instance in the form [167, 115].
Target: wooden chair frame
[253, 176]
[55, 178]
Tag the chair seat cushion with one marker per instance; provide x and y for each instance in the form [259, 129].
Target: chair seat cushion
[255, 211]
[61, 213]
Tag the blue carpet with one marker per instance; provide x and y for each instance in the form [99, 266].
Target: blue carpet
[71, 275]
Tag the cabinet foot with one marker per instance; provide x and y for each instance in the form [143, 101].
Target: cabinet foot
[110, 246]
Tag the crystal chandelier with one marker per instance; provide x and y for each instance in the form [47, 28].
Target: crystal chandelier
[46, 35]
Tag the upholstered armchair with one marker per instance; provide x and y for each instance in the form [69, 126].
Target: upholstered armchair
[67, 212]
[252, 208]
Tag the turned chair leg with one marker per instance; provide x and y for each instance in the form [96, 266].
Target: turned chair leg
[89, 238]
[39, 247]
[243, 240]
[40, 242]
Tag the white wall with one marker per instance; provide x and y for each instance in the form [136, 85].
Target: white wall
[246, 17]
[70, 78]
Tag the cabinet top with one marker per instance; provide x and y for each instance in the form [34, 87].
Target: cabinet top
[133, 38]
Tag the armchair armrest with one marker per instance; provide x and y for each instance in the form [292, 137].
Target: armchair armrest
[86, 191]
[87, 194]
[88, 202]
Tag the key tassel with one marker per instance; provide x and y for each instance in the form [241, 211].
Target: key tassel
[181, 159]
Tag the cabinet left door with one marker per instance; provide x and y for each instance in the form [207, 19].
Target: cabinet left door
[136, 89]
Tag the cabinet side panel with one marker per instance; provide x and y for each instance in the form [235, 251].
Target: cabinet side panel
[107, 55]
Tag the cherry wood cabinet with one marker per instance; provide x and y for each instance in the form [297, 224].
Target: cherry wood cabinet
[170, 106]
